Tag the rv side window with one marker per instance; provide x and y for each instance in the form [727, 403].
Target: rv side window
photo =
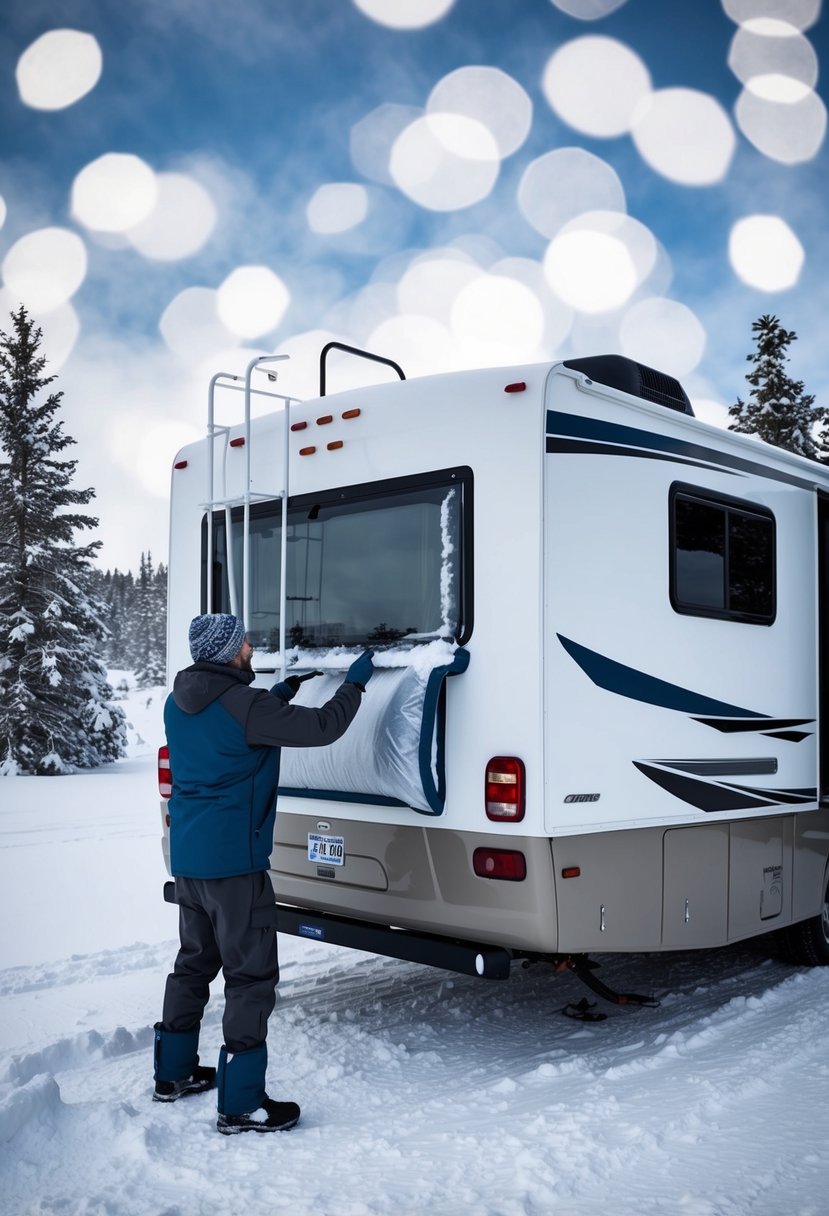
[366, 565]
[722, 557]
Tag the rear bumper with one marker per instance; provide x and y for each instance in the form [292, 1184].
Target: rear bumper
[467, 958]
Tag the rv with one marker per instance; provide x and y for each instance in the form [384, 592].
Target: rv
[601, 659]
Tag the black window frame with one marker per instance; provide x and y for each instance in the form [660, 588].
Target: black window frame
[712, 498]
[364, 491]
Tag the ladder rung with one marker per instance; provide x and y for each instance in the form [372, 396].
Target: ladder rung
[240, 500]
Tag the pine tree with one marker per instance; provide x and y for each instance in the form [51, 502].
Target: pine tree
[56, 713]
[778, 409]
[149, 622]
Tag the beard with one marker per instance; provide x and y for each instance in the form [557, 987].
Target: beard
[246, 663]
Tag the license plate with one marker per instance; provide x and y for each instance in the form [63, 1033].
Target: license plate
[328, 849]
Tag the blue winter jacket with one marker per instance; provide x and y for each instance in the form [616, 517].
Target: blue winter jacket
[224, 739]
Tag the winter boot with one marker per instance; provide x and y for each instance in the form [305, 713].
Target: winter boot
[243, 1104]
[177, 1068]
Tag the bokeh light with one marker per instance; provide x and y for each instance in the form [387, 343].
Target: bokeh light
[593, 272]
[180, 223]
[445, 162]
[60, 327]
[637, 239]
[708, 410]
[252, 301]
[58, 69]
[564, 183]
[798, 13]
[336, 207]
[588, 10]
[43, 269]
[595, 85]
[145, 448]
[663, 334]
[421, 345]
[405, 14]
[780, 68]
[557, 316]
[114, 192]
[791, 134]
[431, 283]
[190, 324]
[684, 135]
[765, 253]
[372, 139]
[301, 375]
[492, 309]
[492, 98]
[61, 330]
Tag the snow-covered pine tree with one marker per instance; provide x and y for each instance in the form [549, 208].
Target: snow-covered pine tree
[778, 408]
[149, 620]
[56, 712]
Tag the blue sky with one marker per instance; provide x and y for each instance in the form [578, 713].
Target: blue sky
[252, 108]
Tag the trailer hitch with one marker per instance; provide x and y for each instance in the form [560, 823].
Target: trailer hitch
[584, 968]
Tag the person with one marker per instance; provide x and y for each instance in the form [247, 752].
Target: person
[224, 739]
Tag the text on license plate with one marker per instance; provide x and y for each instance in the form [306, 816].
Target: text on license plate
[330, 849]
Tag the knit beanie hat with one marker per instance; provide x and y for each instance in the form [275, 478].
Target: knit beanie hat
[216, 637]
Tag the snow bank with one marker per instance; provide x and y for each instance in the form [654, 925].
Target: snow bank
[38, 1102]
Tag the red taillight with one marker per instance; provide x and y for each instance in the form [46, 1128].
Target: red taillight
[180, 464]
[165, 776]
[504, 795]
[506, 864]
[238, 443]
[518, 387]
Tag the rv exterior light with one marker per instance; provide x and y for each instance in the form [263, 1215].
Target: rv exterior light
[307, 451]
[518, 387]
[504, 792]
[332, 447]
[507, 864]
[351, 414]
[180, 464]
[325, 419]
[571, 872]
[165, 776]
[298, 426]
[238, 443]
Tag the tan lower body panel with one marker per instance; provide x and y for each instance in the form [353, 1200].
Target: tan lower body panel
[661, 888]
[417, 878]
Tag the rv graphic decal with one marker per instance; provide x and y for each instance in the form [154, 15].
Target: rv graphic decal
[573, 434]
[717, 795]
[628, 682]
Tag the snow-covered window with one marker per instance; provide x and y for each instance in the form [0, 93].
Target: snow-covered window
[366, 565]
[722, 557]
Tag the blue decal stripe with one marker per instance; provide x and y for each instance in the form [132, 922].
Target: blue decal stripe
[584, 447]
[575, 426]
[628, 682]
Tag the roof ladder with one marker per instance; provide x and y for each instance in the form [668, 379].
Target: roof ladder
[231, 381]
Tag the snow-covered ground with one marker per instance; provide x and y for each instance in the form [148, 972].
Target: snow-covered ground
[422, 1092]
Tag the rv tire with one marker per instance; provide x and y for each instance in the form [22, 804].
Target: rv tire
[807, 943]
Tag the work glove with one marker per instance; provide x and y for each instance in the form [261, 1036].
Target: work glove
[361, 669]
[289, 687]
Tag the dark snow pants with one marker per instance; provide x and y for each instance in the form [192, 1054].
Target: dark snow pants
[227, 924]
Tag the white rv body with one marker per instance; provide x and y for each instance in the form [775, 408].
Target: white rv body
[671, 755]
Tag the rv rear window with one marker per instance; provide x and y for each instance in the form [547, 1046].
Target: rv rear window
[366, 565]
[722, 557]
